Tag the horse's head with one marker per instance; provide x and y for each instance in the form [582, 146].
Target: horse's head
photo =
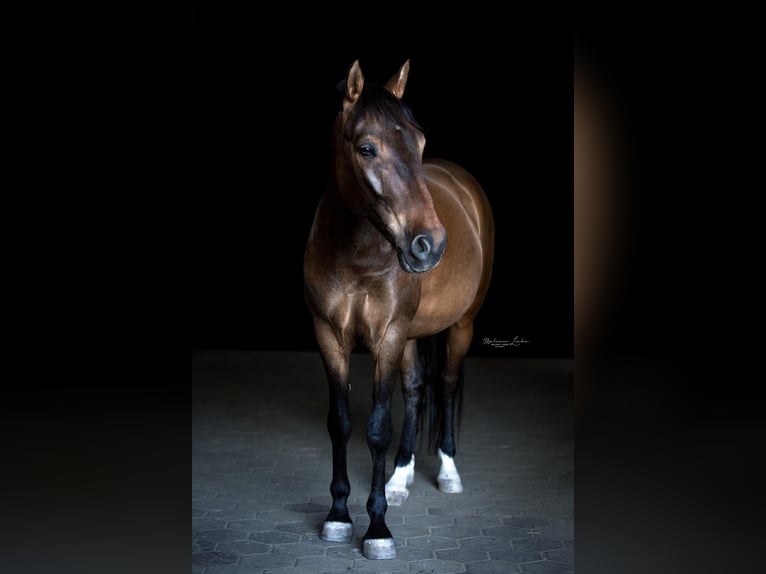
[379, 169]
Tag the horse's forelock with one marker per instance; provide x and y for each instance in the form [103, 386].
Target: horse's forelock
[377, 100]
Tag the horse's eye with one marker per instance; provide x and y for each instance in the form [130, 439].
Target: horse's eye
[368, 150]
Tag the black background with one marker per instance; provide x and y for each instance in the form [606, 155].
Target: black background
[669, 474]
[498, 102]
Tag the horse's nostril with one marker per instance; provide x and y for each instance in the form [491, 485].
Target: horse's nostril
[421, 246]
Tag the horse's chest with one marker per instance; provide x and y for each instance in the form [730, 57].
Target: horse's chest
[366, 312]
[363, 310]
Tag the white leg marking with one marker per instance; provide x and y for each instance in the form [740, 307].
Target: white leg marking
[448, 479]
[396, 487]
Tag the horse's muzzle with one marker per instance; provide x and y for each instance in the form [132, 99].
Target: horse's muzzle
[423, 253]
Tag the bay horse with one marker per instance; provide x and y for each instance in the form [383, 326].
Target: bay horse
[400, 249]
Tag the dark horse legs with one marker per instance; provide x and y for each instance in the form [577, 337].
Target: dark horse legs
[448, 480]
[337, 526]
[412, 390]
[458, 342]
[378, 542]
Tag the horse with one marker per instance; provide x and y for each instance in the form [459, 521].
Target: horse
[400, 250]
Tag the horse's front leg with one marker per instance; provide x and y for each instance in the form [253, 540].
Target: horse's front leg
[337, 526]
[378, 542]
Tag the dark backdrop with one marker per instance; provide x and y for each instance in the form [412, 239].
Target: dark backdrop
[493, 91]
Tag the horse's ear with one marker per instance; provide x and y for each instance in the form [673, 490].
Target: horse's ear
[354, 85]
[398, 81]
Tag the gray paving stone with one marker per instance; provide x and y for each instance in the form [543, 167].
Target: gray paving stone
[240, 493]
[299, 527]
[231, 515]
[483, 543]
[462, 555]
[293, 570]
[199, 545]
[263, 468]
[507, 532]
[491, 567]
[300, 550]
[557, 509]
[325, 563]
[274, 537]
[200, 493]
[515, 556]
[500, 509]
[558, 532]
[478, 521]
[230, 569]
[437, 566]
[256, 505]
[255, 525]
[244, 547]
[456, 532]
[203, 524]
[364, 566]
[348, 551]
[527, 522]
[564, 522]
[282, 516]
[212, 557]
[538, 543]
[410, 508]
[432, 542]
[453, 510]
[306, 507]
[547, 567]
[286, 497]
[434, 499]
[222, 535]
[293, 484]
[213, 504]
[269, 560]
[428, 520]
[407, 530]
[565, 555]
[412, 553]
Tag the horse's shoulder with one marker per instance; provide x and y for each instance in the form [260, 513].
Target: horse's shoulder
[447, 173]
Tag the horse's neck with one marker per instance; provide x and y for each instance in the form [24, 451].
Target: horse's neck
[352, 235]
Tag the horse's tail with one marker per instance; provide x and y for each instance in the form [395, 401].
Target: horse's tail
[433, 358]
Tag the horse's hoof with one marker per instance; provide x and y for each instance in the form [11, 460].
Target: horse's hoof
[336, 531]
[450, 485]
[379, 549]
[396, 497]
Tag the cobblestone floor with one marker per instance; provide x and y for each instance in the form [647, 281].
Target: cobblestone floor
[261, 468]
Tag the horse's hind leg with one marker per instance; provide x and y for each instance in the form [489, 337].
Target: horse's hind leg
[412, 389]
[458, 341]
[337, 527]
